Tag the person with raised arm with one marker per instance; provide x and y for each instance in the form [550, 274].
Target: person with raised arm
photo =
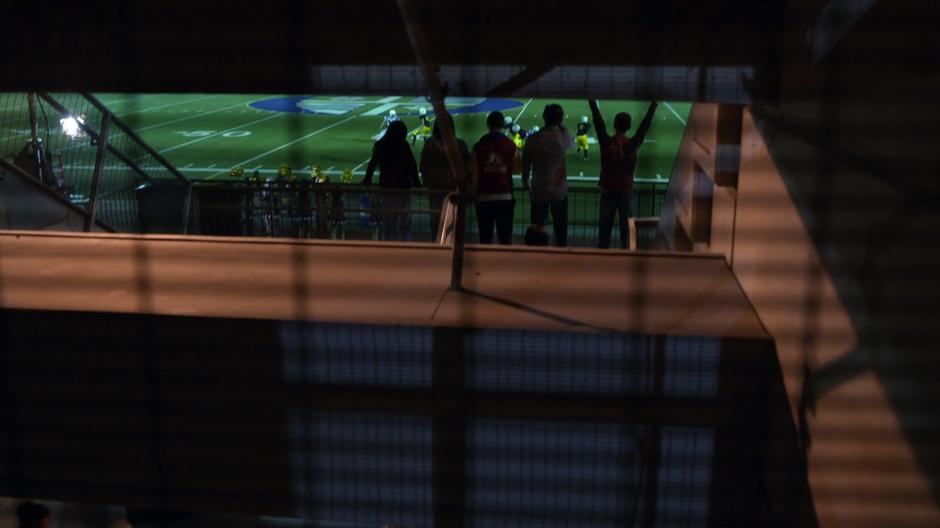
[618, 163]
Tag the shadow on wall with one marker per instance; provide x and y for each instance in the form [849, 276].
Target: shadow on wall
[871, 235]
[835, 253]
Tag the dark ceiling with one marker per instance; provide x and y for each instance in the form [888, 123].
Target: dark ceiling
[217, 46]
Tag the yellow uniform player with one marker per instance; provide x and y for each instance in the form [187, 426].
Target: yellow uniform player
[581, 138]
[424, 129]
[518, 137]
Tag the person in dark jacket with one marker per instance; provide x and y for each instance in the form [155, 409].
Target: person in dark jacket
[397, 170]
[435, 169]
[493, 161]
[618, 162]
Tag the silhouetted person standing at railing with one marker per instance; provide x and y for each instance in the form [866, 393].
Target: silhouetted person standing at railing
[618, 162]
[544, 158]
[493, 161]
[397, 170]
[435, 169]
[31, 514]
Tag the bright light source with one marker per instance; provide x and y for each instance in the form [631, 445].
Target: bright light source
[70, 126]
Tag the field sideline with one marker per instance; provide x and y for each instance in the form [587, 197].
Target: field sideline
[207, 135]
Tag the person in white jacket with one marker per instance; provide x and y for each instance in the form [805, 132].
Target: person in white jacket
[543, 162]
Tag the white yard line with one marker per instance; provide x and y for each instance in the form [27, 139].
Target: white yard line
[119, 101]
[15, 107]
[673, 110]
[186, 117]
[285, 145]
[526, 105]
[217, 134]
[381, 109]
[361, 164]
[203, 98]
[14, 136]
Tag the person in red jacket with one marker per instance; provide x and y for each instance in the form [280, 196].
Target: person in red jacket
[493, 161]
[397, 170]
[618, 162]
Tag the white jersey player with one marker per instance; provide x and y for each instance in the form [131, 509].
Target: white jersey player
[387, 119]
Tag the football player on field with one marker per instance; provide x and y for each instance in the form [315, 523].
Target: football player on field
[581, 137]
[424, 127]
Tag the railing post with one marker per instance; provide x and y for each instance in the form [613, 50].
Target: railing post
[99, 167]
[436, 94]
[323, 227]
[196, 210]
[456, 266]
[187, 208]
[39, 155]
[33, 118]
[272, 210]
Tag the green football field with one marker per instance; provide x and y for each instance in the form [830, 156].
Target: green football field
[206, 135]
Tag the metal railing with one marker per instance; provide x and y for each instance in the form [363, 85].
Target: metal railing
[73, 144]
[105, 168]
[583, 215]
[352, 212]
[315, 210]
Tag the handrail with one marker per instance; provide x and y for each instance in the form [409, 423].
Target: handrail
[30, 180]
[88, 130]
[115, 121]
[445, 231]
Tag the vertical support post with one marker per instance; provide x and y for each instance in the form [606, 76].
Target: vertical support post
[651, 443]
[449, 427]
[99, 167]
[187, 208]
[272, 210]
[728, 153]
[728, 159]
[34, 141]
[196, 210]
[456, 264]
[323, 226]
[445, 123]
[33, 119]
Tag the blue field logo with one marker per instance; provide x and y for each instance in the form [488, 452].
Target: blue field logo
[337, 106]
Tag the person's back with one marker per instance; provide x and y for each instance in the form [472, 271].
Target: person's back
[494, 157]
[493, 160]
[619, 152]
[435, 166]
[618, 164]
[392, 156]
[436, 170]
[544, 156]
[397, 170]
[544, 160]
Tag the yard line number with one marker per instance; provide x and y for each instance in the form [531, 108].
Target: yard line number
[206, 133]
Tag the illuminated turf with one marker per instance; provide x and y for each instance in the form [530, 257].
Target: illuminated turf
[206, 135]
